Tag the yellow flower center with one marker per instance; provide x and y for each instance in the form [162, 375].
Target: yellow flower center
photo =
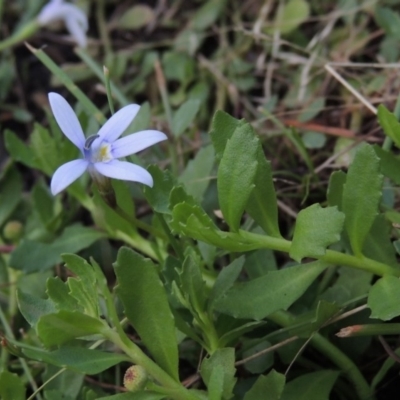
[104, 153]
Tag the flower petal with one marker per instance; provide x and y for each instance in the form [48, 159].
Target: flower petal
[116, 125]
[67, 120]
[76, 24]
[125, 171]
[74, 12]
[51, 12]
[66, 174]
[136, 142]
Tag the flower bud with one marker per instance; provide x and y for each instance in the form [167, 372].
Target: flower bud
[135, 378]
[13, 231]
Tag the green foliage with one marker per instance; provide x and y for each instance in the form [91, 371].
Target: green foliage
[272, 384]
[316, 229]
[32, 255]
[204, 295]
[218, 373]
[196, 176]
[276, 290]
[10, 193]
[384, 298]
[11, 386]
[361, 196]
[313, 386]
[293, 13]
[389, 124]
[146, 307]
[236, 174]
[184, 116]
[85, 361]
[63, 326]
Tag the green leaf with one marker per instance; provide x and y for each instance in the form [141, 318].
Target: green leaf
[236, 174]
[44, 149]
[306, 325]
[223, 126]
[390, 164]
[63, 326]
[192, 221]
[10, 193]
[158, 195]
[196, 177]
[263, 361]
[389, 124]
[231, 336]
[350, 284]
[384, 298]
[272, 384]
[335, 189]
[193, 285]
[313, 140]
[361, 196]
[11, 386]
[178, 66]
[225, 280]
[378, 244]
[215, 384]
[84, 287]
[32, 307]
[184, 116]
[262, 203]
[179, 195]
[312, 110]
[58, 292]
[277, 290]
[316, 229]
[18, 150]
[79, 359]
[120, 228]
[31, 256]
[259, 263]
[294, 13]
[207, 14]
[313, 386]
[123, 196]
[223, 361]
[389, 20]
[66, 385]
[43, 203]
[136, 17]
[146, 307]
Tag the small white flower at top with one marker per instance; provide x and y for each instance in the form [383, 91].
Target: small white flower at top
[74, 18]
[101, 151]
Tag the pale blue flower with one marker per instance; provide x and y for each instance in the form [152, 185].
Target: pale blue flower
[74, 19]
[100, 151]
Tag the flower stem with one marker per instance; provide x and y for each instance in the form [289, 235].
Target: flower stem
[331, 256]
[369, 330]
